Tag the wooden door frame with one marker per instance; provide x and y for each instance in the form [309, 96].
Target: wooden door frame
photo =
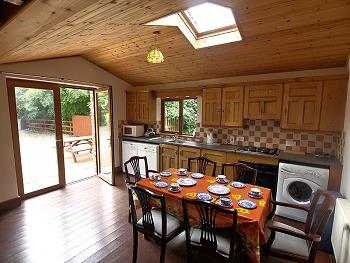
[97, 135]
[11, 84]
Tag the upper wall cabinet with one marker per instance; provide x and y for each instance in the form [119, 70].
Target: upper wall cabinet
[263, 102]
[333, 105]
[140, 107]
[302, 105]
[211, 106]
[223, 106]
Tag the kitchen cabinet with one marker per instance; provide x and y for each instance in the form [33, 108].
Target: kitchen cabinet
[302, 105]
[188, 152]
[168, 156]
[263, 102]
[333, 105]
[232, 106]
[211, 107]
[141, 107]
[223, 106]
[216, 156]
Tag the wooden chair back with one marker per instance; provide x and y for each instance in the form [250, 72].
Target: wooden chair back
[144, 197]
[207, 214]
[240, 171]
[202, 164]
[134, 162]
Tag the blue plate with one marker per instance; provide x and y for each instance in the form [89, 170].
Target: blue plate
[219, 189]
[245, 203]
[197, 175]
[237, 184]
[178, 190]
[161, 184]
[186, 181]
[204, 196]
[225, 181]
[252, 195]
[227, 203]
[166, 174]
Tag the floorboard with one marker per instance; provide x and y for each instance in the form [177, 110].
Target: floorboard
[84, 222]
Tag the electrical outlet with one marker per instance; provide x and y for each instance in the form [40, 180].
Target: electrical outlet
[291, 143]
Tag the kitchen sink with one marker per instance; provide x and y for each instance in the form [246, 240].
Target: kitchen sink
[176, 141]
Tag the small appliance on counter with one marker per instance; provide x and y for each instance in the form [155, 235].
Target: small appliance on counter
[210, 137]
[133, 130]
[150, 133]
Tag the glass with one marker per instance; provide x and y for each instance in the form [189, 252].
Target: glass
[300, 191]
[37, 138]
[189, 119]
[104, 131]
[78, 133]
[172, 116]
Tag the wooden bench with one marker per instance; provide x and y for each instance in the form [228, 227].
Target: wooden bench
[75, 145]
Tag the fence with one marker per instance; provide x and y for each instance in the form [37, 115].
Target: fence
[49, 125]
[171, 124]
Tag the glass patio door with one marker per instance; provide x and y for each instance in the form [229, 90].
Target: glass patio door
[37, 134]
[104, 134]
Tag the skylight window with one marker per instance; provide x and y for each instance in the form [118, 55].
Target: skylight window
[204, 25]
[207, 17]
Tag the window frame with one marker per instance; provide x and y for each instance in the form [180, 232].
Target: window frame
[181, 103]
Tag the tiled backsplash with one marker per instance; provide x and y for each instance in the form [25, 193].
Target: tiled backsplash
[267, 133]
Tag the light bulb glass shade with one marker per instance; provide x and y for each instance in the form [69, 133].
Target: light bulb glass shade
[155, 56]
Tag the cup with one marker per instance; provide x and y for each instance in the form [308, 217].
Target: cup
[255, 191]
[174, 186]
[225, 200]
[182, 171]
[221, 178]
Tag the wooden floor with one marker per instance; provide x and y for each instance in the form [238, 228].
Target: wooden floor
[85, 222]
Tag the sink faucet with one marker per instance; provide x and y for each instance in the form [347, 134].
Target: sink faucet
[175, 137]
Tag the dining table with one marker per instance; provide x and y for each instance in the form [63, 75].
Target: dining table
[250, 222]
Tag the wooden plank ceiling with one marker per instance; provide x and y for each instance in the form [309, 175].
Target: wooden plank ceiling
[278, 35]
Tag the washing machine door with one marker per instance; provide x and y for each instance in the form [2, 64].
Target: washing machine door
[299, 190]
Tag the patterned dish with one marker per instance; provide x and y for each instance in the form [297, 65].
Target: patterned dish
[219, 189]
[245, 203]
[237, 184]
[255, 195]
[204, 196]
[222, 181]
[186, 182]
[165, 173]
[181, 174]
[161, 184]
[197, 175]
[225, 201]
[174, 190]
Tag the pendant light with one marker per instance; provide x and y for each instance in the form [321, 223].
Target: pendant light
[155, 55]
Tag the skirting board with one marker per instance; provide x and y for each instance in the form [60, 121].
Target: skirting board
[10, 204]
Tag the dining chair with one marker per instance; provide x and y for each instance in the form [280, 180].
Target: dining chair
[207, 237]
[155, 222]
[287, 242]
[240, 172]
[202, 164]
[133, 176]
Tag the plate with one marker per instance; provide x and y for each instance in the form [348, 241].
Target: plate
[161, 184]
[166, 174]
[237, 184]
[197, 175]
[204, 196]
[174, 191]
[181, 174]
[219, 202]
[219, 189]
[225, 181]
[254, 195]
[245, 203]
[186, 182]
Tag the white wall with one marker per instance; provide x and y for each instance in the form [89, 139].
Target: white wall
[72, 68]
[345, 183]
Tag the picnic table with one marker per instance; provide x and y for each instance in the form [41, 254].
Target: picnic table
[74, 145]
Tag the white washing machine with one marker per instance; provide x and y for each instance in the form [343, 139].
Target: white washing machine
[296, 184]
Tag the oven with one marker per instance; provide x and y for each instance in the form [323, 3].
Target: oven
[267, 175]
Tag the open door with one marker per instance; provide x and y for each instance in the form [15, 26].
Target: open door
[104, 134]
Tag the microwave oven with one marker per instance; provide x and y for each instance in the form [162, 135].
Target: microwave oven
[133, 130]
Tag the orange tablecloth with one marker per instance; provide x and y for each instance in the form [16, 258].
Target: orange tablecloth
[250, 222]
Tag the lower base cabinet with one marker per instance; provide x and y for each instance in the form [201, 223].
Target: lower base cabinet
[168, 156]
[188, 152]
[216, 156]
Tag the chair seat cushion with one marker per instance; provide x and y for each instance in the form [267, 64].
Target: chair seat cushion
[287, 243]
[222, 238]
[172, 222]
